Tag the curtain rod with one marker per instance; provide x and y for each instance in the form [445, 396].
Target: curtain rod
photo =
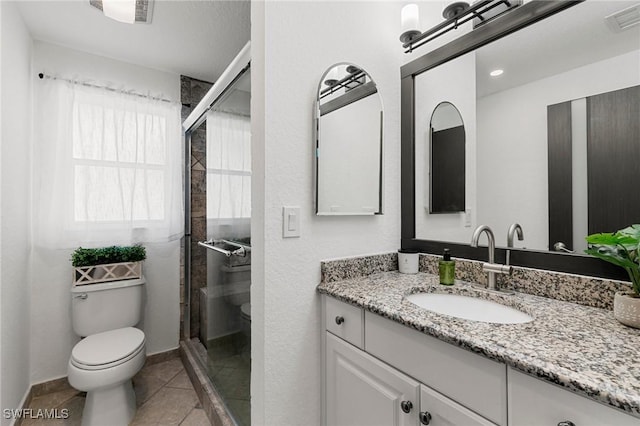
[140, 95]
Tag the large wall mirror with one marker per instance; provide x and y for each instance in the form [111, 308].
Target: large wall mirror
[539, 136]
[348, 149]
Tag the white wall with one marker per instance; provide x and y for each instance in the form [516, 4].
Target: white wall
[453, 82]
[291, 48]
[512, 138]
[15, 202]
[51, 335]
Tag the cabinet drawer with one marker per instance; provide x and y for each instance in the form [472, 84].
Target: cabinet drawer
[345, 321]
[442, 411]
[533, 402]
[475, 382]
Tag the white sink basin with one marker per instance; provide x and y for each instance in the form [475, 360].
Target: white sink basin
[470, 308]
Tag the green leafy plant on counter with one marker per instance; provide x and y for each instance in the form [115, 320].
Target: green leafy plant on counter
[114, 254]
[621, 248]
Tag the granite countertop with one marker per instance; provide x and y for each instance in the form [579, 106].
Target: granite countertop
[581, 348]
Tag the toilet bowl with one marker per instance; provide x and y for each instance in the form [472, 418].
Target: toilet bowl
[102, 365]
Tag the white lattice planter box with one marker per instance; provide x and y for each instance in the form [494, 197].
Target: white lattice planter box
[108, 272]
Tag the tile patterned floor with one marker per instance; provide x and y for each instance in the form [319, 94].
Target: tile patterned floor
[229, 366]
[164, 396]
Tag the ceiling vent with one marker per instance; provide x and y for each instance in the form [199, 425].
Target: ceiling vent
[144, 10]
[624, 19]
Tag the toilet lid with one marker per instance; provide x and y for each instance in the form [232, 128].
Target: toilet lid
[107, 347]
[245, 308]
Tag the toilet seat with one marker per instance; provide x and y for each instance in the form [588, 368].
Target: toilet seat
[108, 349]
[245, 310]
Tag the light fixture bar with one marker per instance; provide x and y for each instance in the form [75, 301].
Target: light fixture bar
[474, 11]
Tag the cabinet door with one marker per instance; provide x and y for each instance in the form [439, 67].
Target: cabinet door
[438, 410]
[533, 402]
[364, 391]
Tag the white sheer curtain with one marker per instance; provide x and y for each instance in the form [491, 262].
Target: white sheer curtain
[228, 175]
[107, 167]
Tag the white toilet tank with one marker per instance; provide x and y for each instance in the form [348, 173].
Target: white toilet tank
[108, 306]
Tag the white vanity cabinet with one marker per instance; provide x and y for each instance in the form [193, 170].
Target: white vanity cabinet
[380, 372]
[533, 402]
[364, 390]
[361, 390]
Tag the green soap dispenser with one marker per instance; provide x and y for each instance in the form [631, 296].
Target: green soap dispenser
[447, 269]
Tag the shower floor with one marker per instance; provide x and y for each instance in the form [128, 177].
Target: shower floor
[229, 367]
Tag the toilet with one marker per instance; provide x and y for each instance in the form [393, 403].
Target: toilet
[111, 352]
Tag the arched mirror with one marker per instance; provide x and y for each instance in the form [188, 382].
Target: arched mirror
[446, 160]
[348, 172]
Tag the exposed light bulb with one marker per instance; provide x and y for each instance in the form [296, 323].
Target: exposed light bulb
[120, 10]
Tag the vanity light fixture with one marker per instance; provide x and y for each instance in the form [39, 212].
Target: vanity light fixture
[455, 13]
[624, 19]
[409, 20]
[126, 11]
[496, 73]
[454, 9]
[332, 77]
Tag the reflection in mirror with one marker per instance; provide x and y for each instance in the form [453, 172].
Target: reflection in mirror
[348, 143]
[446, 159]
[521, 149]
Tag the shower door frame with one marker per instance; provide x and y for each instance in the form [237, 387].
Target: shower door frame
[240, 64]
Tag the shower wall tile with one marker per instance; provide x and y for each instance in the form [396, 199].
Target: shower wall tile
[198, 161]
[185, 91]
[199, 88]
[199, 139]
[198, 205]
[191, 92]
[199, 230]
[198, 182]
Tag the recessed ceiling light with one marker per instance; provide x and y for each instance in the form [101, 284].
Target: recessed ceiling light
[127, 11]
[496, 73]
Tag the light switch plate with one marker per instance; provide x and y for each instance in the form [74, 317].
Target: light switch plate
[290, 222]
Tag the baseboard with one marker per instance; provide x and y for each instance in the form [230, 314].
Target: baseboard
[26, 400]
[159, 357]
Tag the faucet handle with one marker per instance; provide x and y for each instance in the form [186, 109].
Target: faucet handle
[497, 268]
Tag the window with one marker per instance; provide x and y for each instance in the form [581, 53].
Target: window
[108, 167]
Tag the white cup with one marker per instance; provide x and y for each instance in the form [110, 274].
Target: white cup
[408, 261]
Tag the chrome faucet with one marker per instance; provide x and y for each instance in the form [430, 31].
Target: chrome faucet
[513, 229]
[490, 268]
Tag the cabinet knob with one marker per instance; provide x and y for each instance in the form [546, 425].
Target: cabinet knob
[406, 406]
[566, 423]
[425, 417]
[339, 319]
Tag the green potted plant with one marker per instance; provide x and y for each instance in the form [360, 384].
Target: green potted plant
[95, 265]
[622, 248]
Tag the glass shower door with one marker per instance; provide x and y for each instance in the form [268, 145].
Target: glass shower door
[228, 248]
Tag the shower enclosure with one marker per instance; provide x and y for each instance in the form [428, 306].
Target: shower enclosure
[217, 249]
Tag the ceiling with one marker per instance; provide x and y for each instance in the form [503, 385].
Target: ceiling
[575, 37]
[196, 38]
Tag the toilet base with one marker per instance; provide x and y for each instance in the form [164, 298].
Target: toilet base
[112, 406]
